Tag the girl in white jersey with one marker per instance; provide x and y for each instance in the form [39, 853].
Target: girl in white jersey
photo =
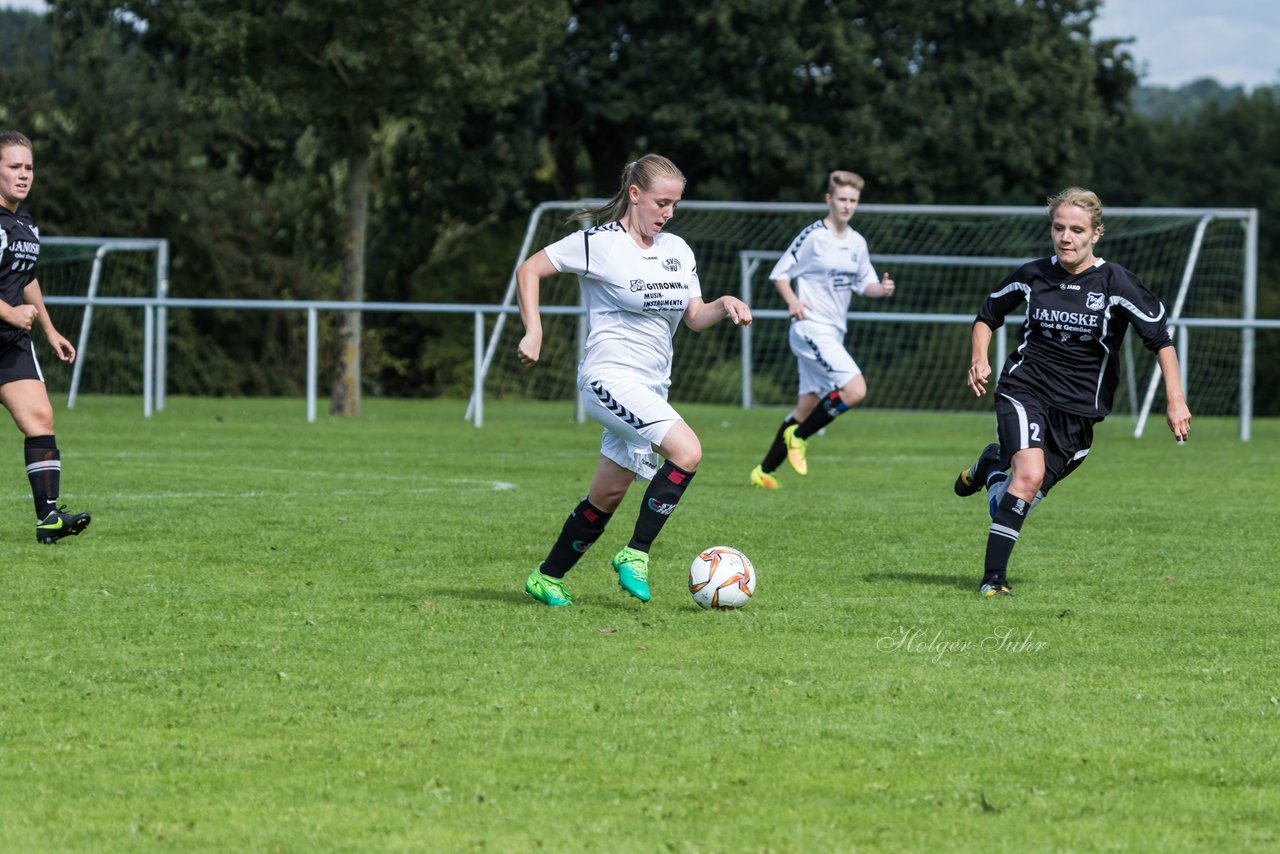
[829, 262]
[638, 282]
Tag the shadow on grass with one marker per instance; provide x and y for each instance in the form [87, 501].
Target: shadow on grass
[938, 578]
[517, 596]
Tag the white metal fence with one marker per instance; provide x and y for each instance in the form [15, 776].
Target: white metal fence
[155, 320]
[154, 360]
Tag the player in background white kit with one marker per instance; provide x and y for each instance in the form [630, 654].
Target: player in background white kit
[828, 262]
[638, 282]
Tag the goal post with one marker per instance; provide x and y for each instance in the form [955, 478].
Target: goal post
[116, 349]
[914, 346]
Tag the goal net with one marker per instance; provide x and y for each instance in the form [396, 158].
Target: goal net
[79, 278]
[914, 347]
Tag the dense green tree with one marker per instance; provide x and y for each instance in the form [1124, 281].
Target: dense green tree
[1225, 152]
[932, 100]
[343, 74]
[118, 155]
[241, 131]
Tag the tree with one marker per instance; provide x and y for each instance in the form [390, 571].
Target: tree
[932, 100]
[343, 75]
[1213, 151]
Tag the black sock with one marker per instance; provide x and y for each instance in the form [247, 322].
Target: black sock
[44, 470]
[660, 500]
[583, 527]
[827, 410]
[1003, 536]
[778, 450]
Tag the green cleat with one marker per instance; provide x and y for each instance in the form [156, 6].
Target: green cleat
[632, 567]
[763, 479]
[546, 589]
[796, 448]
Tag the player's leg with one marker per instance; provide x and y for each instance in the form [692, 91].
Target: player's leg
[583, 527]
[831, 376]
[989, 464]
[681, 452]
[833, 405]
[639, 425]
[762, 475]
[1012, 504]
[850, 389]
[1070, 440]
[1022, 426]
[23, 393]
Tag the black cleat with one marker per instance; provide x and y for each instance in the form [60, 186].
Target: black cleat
[59, 524]
[972, 479]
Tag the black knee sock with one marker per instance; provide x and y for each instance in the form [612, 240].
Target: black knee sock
[778, 450]
[44, 470]
[660, 499]
[580, 531]
[1011, 512]
[826, 412]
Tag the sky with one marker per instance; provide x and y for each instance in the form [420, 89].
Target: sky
[1236, 42]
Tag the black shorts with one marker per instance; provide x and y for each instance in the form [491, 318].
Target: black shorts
[18, 362]
[1024, 421]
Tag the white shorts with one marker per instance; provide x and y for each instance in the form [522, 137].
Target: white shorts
[636, 416]
[823, 362]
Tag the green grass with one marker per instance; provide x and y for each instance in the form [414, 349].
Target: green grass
[296, 637]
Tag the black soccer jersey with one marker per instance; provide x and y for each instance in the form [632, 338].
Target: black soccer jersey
[19, 252]
[1075, 323]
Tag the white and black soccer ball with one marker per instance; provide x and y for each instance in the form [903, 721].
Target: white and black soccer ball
[721, 578]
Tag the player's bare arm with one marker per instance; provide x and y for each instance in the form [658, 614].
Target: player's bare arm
[1177, 414]
[883, 288]
[34, 298]
[979, 366]
[703, 315]
[19, 316]
[529, 276]
[795, 307]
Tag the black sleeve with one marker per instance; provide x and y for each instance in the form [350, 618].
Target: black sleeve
[1011, 293]
[1146, 313]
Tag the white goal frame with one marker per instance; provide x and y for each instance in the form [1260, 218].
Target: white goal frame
[750, 260]
[152, 360]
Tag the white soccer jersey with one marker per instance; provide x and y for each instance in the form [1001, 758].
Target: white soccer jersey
[826, 271]
[635, 298]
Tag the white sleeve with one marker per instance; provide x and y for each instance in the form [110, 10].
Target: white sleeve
[796, 256]
[782, 269]
[569, 254]
[866, 272]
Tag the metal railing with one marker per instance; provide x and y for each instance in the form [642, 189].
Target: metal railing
[155, 339]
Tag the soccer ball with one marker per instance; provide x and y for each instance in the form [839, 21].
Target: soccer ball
[721, 578]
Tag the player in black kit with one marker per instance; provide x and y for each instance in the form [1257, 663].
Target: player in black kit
[22, 389]
[1060, 380]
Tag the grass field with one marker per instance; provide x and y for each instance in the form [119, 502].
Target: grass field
[281, 636]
